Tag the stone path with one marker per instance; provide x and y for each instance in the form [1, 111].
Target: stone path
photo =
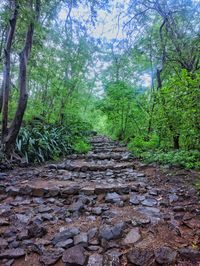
[103, 208]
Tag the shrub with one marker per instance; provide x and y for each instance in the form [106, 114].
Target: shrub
[184, 158]
[81, 146]
[40, 142]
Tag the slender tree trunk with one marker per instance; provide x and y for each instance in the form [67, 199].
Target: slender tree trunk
[6, 73]
[11, 133]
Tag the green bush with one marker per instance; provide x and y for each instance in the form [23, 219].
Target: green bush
[139, 144]
[81, 146]
[39, 142]
[184, 158]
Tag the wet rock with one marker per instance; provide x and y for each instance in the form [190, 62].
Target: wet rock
[25, 190]
[23, 235]
[81, 239]
[111, 232]
[73, 190]
[189, 253]
[43, 209]
[91, 233]
[173, 198]
[165, 255]
[88, 190]
[12, 253]
[109, 214]
[149, 202]
[3, 243]
[112, 197]
[97, 210]
[153, 192]
[65, 244]
[112, 257]
[134, 200]
[12, 191]
[132, 237]
[36, 230]
[50, 257]
[52, 192]
[141, 257]
[95, 260]
[23, 218]
[38, 200]
[140, 221]
[74, 256]
[76, 206]
[47, 217]
[151, 213]
[65, 235]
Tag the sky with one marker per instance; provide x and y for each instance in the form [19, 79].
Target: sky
[107, 22]
[108, 27]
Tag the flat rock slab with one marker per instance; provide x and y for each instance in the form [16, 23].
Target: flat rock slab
[12, 253]
[74, 256]
[132, 237]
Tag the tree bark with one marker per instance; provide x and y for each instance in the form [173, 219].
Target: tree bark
[6, 72]
[11, 133]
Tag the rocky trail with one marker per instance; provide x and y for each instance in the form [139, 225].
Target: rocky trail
[103, 208]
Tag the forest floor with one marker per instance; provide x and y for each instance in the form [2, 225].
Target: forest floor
[103, 208]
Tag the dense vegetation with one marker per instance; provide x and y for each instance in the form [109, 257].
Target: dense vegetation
[60, 80]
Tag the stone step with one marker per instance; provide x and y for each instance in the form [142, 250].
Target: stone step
[117, 156]
[117, 149]
[65, 189]
[92, 167]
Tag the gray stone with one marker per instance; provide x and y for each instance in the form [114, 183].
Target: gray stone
[132, 237]
[65, 244]
[91, 233]
[190, 253]
[134, 200]
[149, 202]
[36, 230]
[95, 260]
[173, 198]
[141, 257]
[23, 218]
[51, 257]
[12, 253]
[65, 234]
[43, 209]
[76, 206]
[74, 256]
[3, 243]
[81, 239]
[165, 255]
[97, 210]
[111, 257]
[112, 197]
[111, 232]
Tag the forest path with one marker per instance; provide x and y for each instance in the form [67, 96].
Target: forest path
[103, 208]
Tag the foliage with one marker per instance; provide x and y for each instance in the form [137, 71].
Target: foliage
[81, 146]
[184, 158]
[40, 142]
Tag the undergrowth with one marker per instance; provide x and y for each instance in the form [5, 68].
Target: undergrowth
[41, 142]
[151, 151]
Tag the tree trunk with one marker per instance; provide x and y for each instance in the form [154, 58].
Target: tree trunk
[10, 136]
[176, 142]
[6, 73]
